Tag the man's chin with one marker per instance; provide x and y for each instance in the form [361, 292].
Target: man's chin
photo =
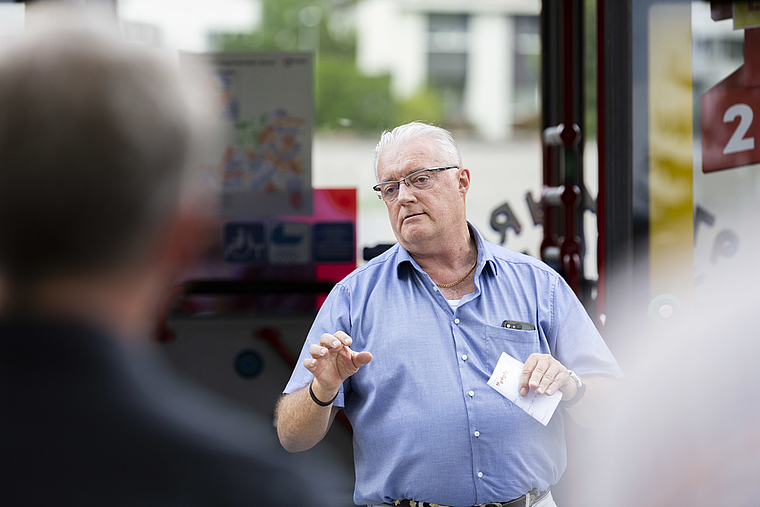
[412, 234]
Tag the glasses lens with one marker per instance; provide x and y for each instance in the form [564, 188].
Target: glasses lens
[388, 191]
[421, 181]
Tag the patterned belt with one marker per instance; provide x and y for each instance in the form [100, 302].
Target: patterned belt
[526, 500]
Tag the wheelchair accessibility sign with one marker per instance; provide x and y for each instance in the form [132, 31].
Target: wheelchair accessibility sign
[245, 243]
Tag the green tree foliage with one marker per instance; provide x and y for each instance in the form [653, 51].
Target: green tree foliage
[425, 105]
[345, 98]
[289, 25]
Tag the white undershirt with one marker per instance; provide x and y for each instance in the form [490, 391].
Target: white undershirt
[453, 303]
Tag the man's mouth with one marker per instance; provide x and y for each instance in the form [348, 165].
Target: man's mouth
[413, 215]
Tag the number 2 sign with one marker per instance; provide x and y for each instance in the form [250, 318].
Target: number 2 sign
[730, 128]
[730, 109]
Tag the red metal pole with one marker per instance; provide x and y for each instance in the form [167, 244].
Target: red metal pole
[601, 245]
[570, 247]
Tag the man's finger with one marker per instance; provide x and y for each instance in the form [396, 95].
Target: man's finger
[558, 382]
[330, 341]
[318, 351]
[343, 337]
[530, 363]
[310, 364]
[551, 373]
[538, 373]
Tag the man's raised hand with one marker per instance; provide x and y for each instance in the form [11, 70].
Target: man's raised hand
[332, 361]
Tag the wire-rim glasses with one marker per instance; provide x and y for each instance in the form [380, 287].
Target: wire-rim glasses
[419, 180]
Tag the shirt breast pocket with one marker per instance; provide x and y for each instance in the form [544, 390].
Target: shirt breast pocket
[518, 343]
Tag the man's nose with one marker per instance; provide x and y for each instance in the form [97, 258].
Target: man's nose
[405, 193]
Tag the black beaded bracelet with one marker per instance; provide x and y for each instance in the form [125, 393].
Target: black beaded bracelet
[320, 403]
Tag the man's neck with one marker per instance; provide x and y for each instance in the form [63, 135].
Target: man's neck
[450, 253]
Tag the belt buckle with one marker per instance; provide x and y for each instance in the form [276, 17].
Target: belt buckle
[533, 496]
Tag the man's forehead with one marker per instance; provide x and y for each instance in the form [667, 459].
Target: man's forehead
[399, 161]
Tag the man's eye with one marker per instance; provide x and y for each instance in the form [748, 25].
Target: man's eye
[390, 190]
[422, 179]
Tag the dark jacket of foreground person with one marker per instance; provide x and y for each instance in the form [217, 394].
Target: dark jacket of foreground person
[88, 421]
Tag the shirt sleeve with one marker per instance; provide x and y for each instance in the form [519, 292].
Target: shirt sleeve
[578, 344]
[333, 316]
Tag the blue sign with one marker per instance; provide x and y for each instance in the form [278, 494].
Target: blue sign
[334, 242]
[289, 243]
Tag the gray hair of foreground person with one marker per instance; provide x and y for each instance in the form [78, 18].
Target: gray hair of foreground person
[95, 140]
[414, 132]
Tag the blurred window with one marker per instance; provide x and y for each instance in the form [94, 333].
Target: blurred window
[527, 70]
[447, 60]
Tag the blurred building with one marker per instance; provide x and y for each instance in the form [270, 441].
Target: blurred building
[482, 55]
[718, 49]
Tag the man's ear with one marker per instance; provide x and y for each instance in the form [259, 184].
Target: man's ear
[464, 180]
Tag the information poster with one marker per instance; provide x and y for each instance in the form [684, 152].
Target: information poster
[265, 103]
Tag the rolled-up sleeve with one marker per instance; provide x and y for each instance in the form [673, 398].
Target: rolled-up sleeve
[334, 316]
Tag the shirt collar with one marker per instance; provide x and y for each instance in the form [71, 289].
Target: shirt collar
[485, 258]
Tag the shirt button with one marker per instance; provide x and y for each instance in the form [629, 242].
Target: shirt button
[471, 393]
[464, 357]
[456, 321]
[477, 433]
[435, 288]
[480, 474]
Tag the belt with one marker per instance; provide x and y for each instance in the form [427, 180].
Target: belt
[528, 499]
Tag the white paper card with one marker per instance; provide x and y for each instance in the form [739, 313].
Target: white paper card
[506, 380]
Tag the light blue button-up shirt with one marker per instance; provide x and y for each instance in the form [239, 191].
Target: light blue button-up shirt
[427, 427]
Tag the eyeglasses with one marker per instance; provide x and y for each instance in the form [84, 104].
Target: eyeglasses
[420, 180]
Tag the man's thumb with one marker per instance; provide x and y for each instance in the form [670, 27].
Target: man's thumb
[362, 358]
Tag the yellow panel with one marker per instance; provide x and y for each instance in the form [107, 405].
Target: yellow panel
[671, 245]
[746, 14]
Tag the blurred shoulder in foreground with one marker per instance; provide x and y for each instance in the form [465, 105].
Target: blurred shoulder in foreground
[686, 432]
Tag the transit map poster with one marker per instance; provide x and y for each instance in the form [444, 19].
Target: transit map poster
[265, 103]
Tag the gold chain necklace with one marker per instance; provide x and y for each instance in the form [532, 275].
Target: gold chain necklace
[447, 285]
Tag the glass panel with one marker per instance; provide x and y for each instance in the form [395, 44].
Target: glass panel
[378, 66]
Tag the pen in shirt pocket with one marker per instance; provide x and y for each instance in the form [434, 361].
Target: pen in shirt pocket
[520, 326]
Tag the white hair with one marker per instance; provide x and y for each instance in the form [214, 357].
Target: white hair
[415, 131]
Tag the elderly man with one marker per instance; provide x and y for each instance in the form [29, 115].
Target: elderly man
[95, 142]
[431, 317]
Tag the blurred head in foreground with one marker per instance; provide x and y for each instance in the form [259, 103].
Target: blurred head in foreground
[96, 138]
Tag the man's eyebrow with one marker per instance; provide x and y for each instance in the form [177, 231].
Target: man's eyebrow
[394, 178]
[410, 172]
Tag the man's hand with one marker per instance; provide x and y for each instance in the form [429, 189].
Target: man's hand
[546, 375]
[332, 362]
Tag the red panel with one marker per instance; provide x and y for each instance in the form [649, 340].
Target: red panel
[751, 57]
[721, 10]
[730, 133]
